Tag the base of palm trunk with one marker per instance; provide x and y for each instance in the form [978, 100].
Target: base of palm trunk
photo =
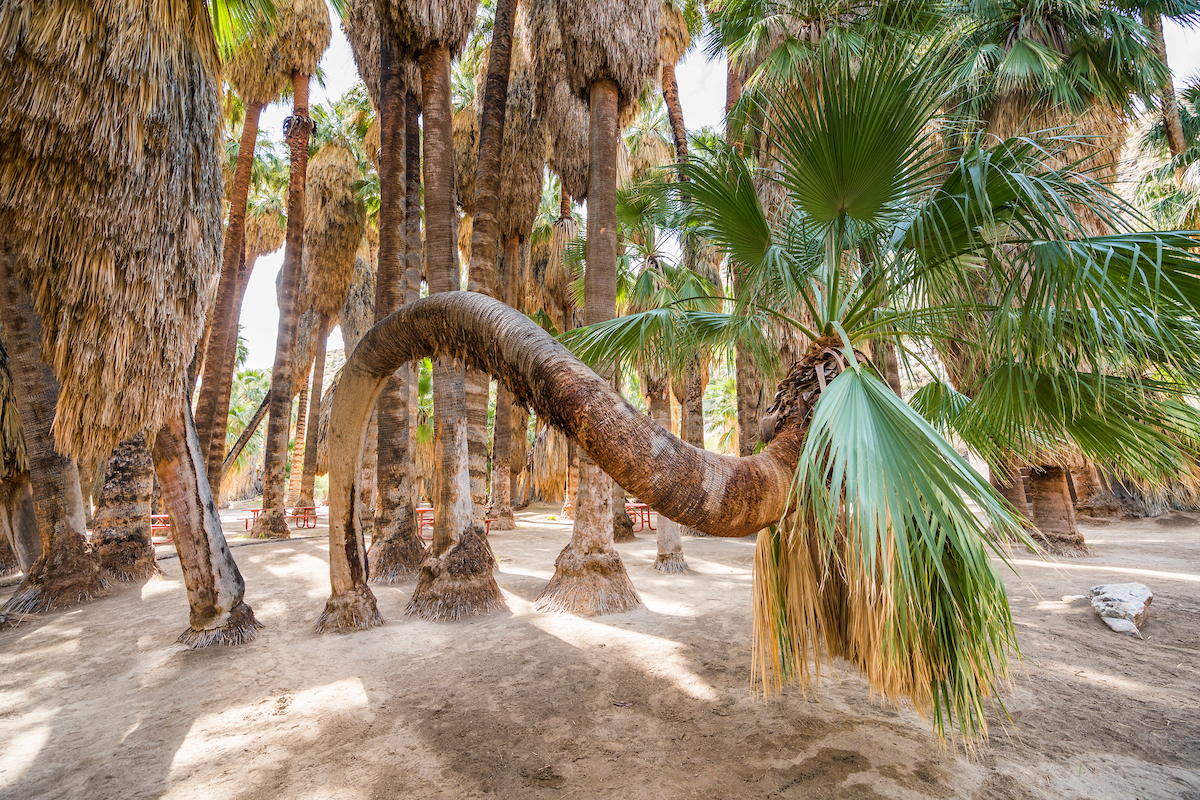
[1105, 505]
[238, 627]
[458, 584]
[305, 502]
[395, 560]
[589, 584]
[504, 519]
[623, 528]
[128, 559]
[9, 564]
[71, 574]
[1061, 544]
[355, 610]
[568, 509]
[270, 525]
[671, 563]
[1054, 513]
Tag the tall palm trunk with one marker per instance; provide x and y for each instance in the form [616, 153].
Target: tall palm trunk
[121, 531]
[572, 487]
[246, 435]
[1054, 513]
[670, 540]
[1006, 479]
[395, 545]
[18, 520]
[502, 430]
[67, 571]
[299, 440]
[1170, 106]
[622, 523]
[455, 579]
[308, 473]
[271, 523]
[214, 584]
[589, 577]
[212, 407]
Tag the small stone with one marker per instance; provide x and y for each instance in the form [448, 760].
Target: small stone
[1124, 607]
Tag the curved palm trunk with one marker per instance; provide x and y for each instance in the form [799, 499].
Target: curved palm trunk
[18, 520]
[298, 448]
[721, 495]
[1054, 513]
[271, 524]
[246, 435]
[67, 570]
[308, 472]
[214, 584]
[670, 539]
[455, 579]
[396, 549]
[121, 533]
[589, 577]
[212, 416]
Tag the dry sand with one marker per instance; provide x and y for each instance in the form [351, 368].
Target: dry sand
[98, 701]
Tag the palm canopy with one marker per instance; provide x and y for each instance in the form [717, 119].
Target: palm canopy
[887, 235]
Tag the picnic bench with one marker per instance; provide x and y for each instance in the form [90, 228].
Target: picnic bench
[303, 516]
[425, 520]
[160, 524]
[641, 514]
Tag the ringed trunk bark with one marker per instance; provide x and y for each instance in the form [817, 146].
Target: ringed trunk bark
[121, 533]
[298, 447]
[1170, 106]
[502, 430]
[214, 584]
[67, 570]
[216, 454]
[1007, 480]
[1054, 514]
[271, 523]
[1094, 499]
[308, 469]
[670, 539]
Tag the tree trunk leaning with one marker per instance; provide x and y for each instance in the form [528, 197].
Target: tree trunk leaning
[1054, 513]
[589, 577]
[1170, 105]
[246, 435]
[308, 468]
[271, 523]
[121, 533]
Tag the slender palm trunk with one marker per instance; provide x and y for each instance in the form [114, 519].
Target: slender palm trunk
[246, 435]
[298, 447]
[67, 570]
[271, 524]
[1054, 513]
[214, 584]
[670, 540]
[308, 472]
[18, 518]
[622, 523]
[568, 508]
[212, 416]
[455, 579]
[589, 577]
[1170, 105]
[396, 548]
[121, 532]
[502, 430]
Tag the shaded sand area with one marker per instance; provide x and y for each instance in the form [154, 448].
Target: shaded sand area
[99, 702]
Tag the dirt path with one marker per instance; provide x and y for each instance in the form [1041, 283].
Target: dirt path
[98, 701]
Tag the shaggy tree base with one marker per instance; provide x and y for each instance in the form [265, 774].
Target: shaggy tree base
[504, 519]
[458, 584]
[1107, 506]
[72, 575]
[699, 534]
[240, 627]
[671, 563]
[355, 610]
[588, 584]
[623, 529]
[395, 560]
[8, 558]
[127, 560]
[1062, 545]
[271, 526]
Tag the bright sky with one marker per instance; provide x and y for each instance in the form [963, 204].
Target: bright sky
[701, 92]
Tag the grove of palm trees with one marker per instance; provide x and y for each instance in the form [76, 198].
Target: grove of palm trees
[602, 452]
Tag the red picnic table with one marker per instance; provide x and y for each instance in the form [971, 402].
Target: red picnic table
[425, 520]
[158, 524]
[641, 513]
[304, 516]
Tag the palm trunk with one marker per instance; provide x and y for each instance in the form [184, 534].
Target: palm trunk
[568, 508]
[670, 540]
[589, 577]
[1007, 480]
[214, 584]
[1170, 105]
[122, 525]
[502, 430]
[18, 520]
[308, 474]
[455, 579]
[245, 437]
[211, 416]
[1094, 499]
[271, 524]
[622, 523]
[298, 447]
[1054, 514]
[396, 548]
[67, 571]
[9, 563]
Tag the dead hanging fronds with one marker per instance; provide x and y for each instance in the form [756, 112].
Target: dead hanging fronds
[266, 229]
[252, 73]
[334, 221]
[372, 144]
[358, 312]
[522, 157]
[121, 139]
[361, 25]
[616, 40]
[465, 134]
[13, 457]
[421, 23]
[567, 126]
[673, 35]
[466, 224]
[302, 33]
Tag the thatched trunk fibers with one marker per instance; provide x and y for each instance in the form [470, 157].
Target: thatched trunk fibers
[589, 577]
[212, 404]
[214, 585]
[670, 539]
[299, 441]
[1054, 514]
[121, 530]
[721, 495]
[455, 579]
[67, 570]
[396, 549]
[502, 431]
[271, 524]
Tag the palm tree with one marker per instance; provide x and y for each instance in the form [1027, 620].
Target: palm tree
[303, 31]
[121, 526]
[18, 519]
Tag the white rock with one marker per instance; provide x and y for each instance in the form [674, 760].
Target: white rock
[1123, 606]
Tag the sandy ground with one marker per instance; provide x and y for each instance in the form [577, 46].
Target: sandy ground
[99, 702]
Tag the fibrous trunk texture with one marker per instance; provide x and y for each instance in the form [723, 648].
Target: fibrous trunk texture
[670, 539]
[211, 408]
[67, 570]
[622, 523]
[502, 431]
[568, 509]
[214, 584]
[308, 474]
[121, 533]
[1054, 514]
[1094, 499]
[271, 523]
[299, 441]
[1006, 479]
[18, 520]
[455, 579]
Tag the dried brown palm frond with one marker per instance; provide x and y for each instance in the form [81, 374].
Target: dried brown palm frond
[252, 73]
[334, 221]
[421, 23]
[372, 144]
[567, 131]
[466, 224]
[673, 35]
[120, 270]
[13, 458]
[306, 350]
[361, 25]
[465, 134]
[302, 33]
[266, 228]
[548, 459]
[522, 156]
[616, 40]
